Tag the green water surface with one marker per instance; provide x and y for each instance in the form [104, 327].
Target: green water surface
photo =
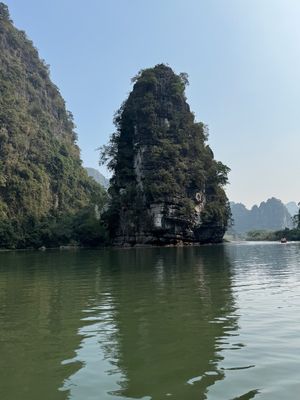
[211, 322]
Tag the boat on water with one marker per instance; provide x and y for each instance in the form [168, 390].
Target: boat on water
[283, 240]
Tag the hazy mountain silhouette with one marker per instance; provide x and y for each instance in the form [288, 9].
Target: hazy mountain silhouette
[270, 215]
[98, 177]
[292, 208]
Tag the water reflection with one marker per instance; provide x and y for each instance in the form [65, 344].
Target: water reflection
[40, 307]
[217, 323]
[266, 286]
[156, 326]
[111, 324]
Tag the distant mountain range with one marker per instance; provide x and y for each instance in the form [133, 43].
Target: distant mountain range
[270, 215]
[98, 177]
[292, 208]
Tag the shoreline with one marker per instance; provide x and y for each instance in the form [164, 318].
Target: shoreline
[141, 246]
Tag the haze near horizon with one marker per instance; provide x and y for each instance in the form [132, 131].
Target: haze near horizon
[243, 62]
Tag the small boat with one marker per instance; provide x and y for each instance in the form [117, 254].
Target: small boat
[283, 240]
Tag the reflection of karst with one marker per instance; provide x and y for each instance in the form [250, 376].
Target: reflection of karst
[134, 323]
[167, 341]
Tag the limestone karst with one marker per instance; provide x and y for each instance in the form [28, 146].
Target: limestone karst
[166, 188]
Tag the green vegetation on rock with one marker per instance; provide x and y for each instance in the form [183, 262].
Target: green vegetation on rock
[43, 187]
[166, 186]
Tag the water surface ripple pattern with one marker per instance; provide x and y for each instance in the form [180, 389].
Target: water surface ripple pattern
[211, 322]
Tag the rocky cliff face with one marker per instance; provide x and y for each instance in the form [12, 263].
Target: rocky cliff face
[40, 167]
[166, 186]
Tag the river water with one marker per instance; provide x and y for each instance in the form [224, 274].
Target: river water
[211, 322]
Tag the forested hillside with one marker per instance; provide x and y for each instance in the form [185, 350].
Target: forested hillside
[42, 180]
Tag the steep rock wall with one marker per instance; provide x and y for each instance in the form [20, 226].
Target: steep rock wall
[166, 186]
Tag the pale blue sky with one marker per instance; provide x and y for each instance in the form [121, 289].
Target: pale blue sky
[243, 61]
